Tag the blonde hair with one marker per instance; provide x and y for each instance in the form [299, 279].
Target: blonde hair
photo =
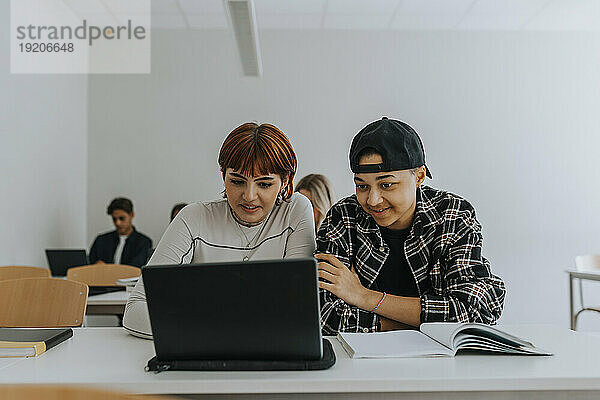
[321, 193]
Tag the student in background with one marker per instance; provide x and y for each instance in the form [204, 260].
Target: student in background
[176, 208]
[399, 253]
[260, 218]
[124, 245]
[319, 191]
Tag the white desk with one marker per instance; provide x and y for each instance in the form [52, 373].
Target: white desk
[110, 358]
[107, 303]
[7, 362]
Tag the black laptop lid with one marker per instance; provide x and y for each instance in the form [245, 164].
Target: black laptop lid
[256, 310]
[60, 260]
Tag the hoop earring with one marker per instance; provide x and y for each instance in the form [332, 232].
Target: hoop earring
[279, 199]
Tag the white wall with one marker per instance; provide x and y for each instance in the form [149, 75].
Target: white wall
[43, 161]
[509, 120]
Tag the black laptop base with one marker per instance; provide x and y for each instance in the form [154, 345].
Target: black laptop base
[327, 361]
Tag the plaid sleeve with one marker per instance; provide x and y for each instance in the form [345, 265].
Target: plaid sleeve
[470, 292]
[336, 315]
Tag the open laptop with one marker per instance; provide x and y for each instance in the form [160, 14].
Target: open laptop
[261, 311]
[60, 260]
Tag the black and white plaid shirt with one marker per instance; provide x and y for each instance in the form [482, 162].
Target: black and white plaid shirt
[443, 251]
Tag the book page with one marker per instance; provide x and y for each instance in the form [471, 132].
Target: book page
[17, 352]
[476, 336]
[393, 344]
[442, 332]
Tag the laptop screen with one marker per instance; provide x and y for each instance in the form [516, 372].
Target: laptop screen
[263, 310]
[60, 260]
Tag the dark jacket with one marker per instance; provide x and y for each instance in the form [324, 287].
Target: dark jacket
[136, 251]
[443, 251]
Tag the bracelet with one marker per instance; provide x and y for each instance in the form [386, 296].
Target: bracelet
[380, 301]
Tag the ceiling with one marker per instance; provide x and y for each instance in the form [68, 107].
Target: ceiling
[463, 15]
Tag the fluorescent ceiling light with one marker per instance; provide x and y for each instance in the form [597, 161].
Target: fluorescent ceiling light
[242, 19]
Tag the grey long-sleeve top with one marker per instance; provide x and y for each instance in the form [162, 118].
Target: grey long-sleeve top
[207, 232]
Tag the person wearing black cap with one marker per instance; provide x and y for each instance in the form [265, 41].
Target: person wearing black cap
[399, 253]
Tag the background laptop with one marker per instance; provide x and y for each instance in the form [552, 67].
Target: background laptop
[256, 310]
[60, 260]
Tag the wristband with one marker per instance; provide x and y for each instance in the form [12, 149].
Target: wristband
[380, 301]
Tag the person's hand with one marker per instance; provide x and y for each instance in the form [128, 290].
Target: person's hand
[391, 325]
[340, 280]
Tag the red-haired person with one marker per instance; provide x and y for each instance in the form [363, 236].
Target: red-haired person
[260, 217]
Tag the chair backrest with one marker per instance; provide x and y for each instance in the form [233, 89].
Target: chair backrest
[102, 274]
[42, 303]
[19, 271]
[588, 262]
[58, 392]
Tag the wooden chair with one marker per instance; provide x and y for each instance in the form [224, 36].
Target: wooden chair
[58, 392]
[42, 303]
[18, 271]
[102, 274]
[586, 263]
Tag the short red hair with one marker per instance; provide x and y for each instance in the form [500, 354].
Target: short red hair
[252, 149]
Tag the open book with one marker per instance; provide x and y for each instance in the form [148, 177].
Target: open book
[435, 339]
[127, 281]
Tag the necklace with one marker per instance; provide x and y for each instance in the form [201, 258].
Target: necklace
[239, 224]
[243, 223]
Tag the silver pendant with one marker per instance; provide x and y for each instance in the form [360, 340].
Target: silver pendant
[245, 258]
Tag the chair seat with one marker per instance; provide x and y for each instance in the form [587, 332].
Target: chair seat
[102, 274]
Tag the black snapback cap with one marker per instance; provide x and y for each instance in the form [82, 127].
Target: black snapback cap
[398, 144]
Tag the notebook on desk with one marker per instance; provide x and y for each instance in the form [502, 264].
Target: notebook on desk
[256, 315]
[26, 342]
